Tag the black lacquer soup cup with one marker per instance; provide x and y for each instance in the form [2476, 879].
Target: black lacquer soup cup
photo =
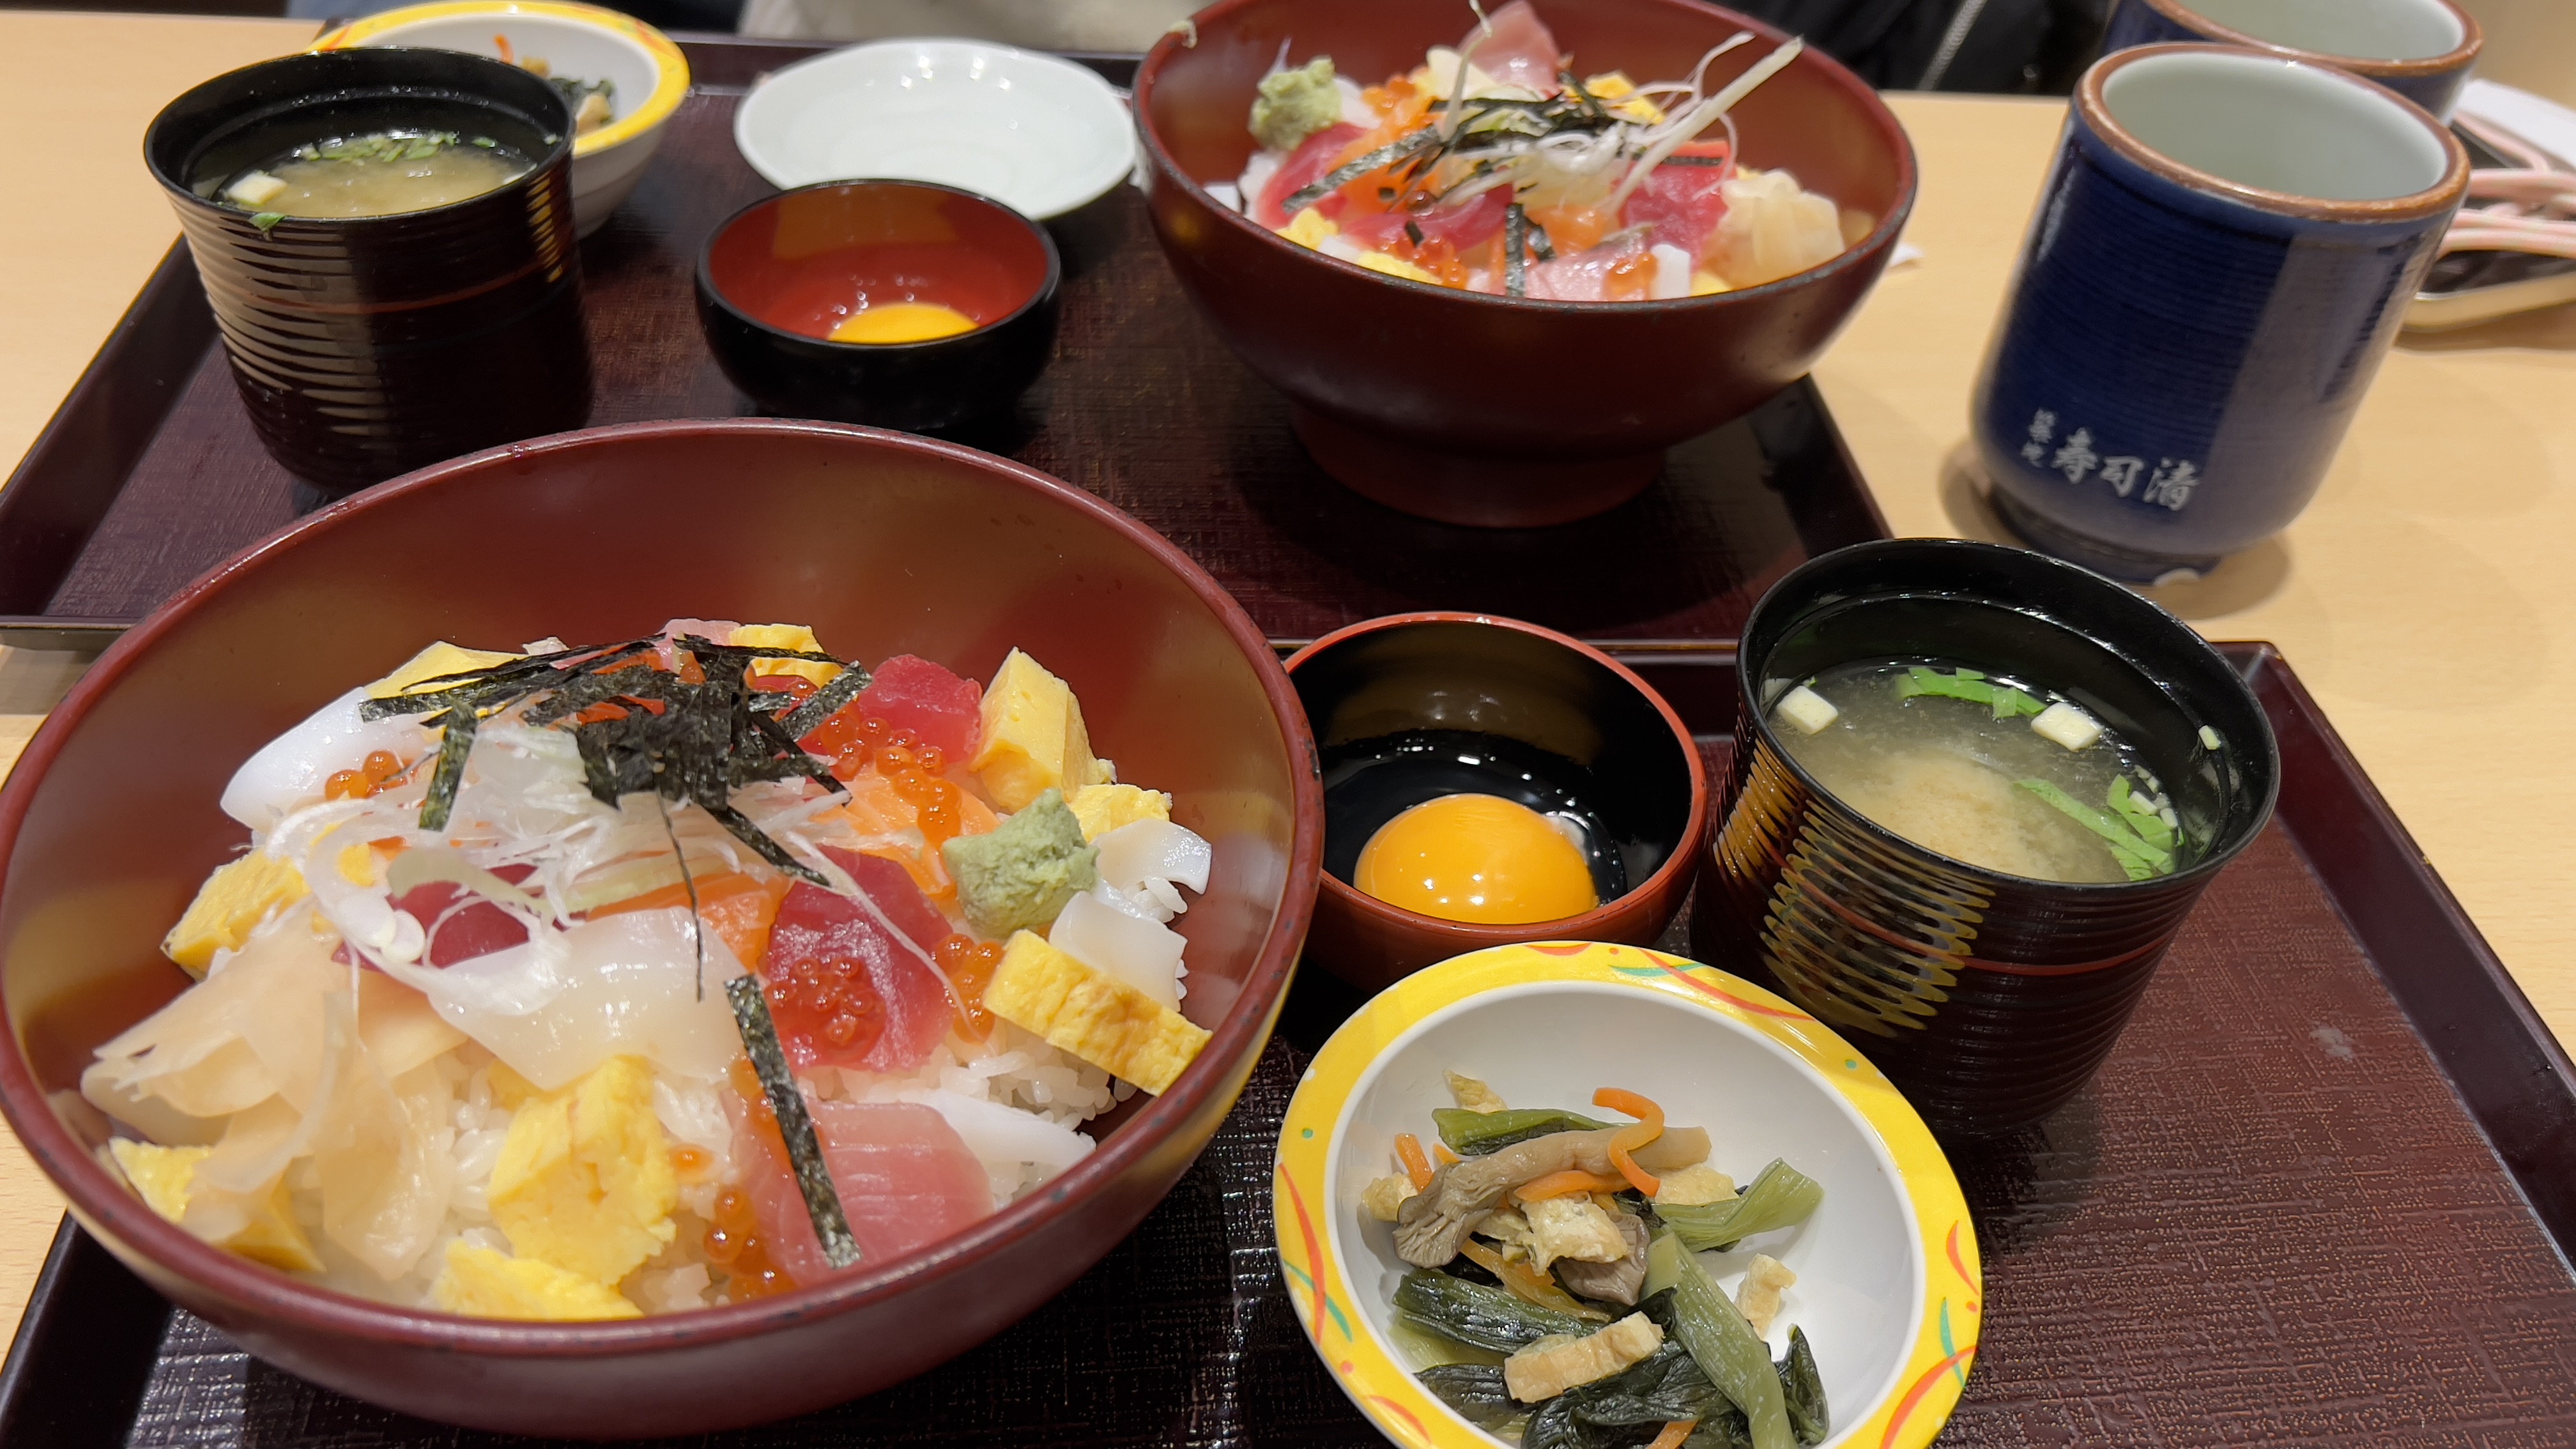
[777, 277]
[1989, 999]
[365, 347]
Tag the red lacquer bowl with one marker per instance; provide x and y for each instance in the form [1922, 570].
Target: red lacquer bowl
[1495, 676]
[885, 544]
[1493, 410]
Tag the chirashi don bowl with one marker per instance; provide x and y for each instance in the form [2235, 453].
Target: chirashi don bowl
[1492, 410]
[883, 543]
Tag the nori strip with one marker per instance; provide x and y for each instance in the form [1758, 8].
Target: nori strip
[1515, 244]
[768, 849]
[703, 740]
[1413, 232]
[795, 1127]
[827, 702]
[1539, 245]
[1695, 161]
[796, 759]
[1591, 104]
[455, 742]
[1341, 176]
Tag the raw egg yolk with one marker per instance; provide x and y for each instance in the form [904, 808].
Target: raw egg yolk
[1476, 858]
[903, 322]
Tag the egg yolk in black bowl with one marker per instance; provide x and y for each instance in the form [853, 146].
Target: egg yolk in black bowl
[879, 263]
[1468, 827]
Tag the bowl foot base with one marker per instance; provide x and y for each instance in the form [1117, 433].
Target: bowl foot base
[2129, 566]
[1479, 490]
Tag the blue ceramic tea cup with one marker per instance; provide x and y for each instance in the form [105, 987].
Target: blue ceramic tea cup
[2421, 49]
[2217, 264]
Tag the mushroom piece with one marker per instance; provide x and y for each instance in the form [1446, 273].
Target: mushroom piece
[1615, 1282]
[1437, 1219]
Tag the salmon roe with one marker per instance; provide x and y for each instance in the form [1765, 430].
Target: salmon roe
[732, 1240]
[970, 964]
[371, 777]
[832, 1000]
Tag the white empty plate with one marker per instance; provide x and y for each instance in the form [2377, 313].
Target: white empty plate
[1038, 134]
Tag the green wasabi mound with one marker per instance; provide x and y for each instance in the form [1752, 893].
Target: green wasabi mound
[1295, 104]
[1018, 876]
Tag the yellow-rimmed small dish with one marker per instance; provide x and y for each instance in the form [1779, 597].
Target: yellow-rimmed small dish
[1888, 1293]
[647, 74]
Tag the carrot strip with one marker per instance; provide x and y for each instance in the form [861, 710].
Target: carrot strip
[1567, 1183]
[1416, 1166]
[1527, 1283]
[1675, 1431]
[1447, 1158]
[1648, 1127]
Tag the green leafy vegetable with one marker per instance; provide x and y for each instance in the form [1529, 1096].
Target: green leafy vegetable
[1724, 1345]
[267, 221]
[1803, 1390]
[1476, 1391]
[1780, 1196]
[2136, 855]
[1631, 1406]
[1473, 1313]
[1474, 1134]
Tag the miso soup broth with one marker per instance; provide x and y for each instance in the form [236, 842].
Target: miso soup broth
[1996, 772]
[379, 174]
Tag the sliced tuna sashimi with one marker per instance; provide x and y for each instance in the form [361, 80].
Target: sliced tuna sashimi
[892, 888]
[1682, 200]
[905, 1177]
[1515, 47]
[1304, 167]
[844, 992]
[917, 695]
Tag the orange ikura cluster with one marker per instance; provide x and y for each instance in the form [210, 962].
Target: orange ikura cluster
[378, 770]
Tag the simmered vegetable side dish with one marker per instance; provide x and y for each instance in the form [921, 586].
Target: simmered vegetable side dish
[1496, 167]
[1557, 1295]
[584, 982]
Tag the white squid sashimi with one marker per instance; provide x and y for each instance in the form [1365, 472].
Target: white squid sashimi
[293, 767]
[1150, 857]
[1005, 1135]
[1108, 933]
[623, 985]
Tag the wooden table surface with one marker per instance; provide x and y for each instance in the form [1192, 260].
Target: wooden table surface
[2414, 597]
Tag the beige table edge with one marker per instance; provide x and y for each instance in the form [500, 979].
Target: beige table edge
[2413, 611]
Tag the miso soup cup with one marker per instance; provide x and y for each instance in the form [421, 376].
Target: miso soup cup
[365, 347]
[1989, 999]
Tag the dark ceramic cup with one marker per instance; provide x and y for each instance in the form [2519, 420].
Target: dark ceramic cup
[1989, 999]
[2421, 49]
[2216, 266]
[779, 275]
[1638, 771]
[365, 347]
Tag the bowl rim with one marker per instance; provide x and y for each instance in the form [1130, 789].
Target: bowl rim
[1472, 935]
[1046, 289]
[671, 66]
[1866, 252]
[2186, 639]
[97, 1197]
[748, 111]
[1944, 1344]
[559, 152]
